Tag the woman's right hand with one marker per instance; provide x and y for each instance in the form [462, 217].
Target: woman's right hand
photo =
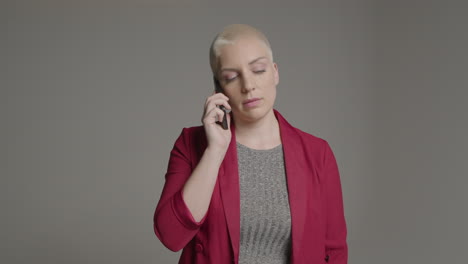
[217, 137]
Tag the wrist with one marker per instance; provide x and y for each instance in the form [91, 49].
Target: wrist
[215, 153]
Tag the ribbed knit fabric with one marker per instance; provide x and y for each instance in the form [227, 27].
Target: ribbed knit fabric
[265, 235]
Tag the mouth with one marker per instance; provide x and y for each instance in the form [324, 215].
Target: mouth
[251, 102]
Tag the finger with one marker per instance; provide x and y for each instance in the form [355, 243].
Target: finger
[219, 115]
[213, 115]
[214, 100]
[217, 102]
[217, 95]
[228, 117]
[210, 101]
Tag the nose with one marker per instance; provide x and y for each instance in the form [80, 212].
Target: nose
[248, 83]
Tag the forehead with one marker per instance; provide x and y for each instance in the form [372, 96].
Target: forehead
[243, 51]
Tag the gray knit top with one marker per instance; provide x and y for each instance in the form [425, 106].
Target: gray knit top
[265, 228]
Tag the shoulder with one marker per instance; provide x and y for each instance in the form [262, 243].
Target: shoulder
[316, 147]
[315, 150]
[306, 138]
[310, 138]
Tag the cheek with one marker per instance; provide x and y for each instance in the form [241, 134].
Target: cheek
[270, 79]
[271, 93]
[270, 82]
[233, 99]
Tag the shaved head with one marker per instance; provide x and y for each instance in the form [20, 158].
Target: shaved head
[228, 36]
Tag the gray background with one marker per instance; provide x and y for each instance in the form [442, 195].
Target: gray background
[94, 94]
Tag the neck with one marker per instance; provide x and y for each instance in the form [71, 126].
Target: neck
[259, 134]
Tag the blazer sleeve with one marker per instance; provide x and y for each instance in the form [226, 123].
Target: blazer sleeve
[173, 222]
[336, 246]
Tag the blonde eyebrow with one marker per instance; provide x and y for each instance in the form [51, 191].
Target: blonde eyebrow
[250, 63]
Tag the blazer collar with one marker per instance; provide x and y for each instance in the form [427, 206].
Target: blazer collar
[295, 175]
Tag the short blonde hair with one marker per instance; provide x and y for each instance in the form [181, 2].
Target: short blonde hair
[228, 36]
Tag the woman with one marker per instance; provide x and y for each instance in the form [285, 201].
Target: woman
[261, 191]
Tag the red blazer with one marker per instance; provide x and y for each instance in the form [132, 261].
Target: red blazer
[315, 199]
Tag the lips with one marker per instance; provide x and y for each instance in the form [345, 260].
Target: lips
[251, 103]
[250, 100]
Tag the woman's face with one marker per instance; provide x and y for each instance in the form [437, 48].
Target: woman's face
[247, 73]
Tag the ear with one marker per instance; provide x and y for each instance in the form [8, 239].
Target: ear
[276, 73]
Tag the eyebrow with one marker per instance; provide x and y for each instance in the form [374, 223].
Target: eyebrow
[250, 63]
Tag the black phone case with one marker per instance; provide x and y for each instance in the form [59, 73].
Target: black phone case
[218, 89]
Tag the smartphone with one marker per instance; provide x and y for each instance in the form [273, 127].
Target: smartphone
[218, 89]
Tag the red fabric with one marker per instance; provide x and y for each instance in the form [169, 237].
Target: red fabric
[315, 198]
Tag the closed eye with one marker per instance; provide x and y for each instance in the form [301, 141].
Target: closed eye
[231, 79]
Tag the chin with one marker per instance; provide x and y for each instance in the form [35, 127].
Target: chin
[255, 114]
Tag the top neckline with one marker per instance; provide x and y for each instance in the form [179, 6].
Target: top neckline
[259, 150]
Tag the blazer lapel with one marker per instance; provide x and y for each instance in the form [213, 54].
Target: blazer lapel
[296, 173]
